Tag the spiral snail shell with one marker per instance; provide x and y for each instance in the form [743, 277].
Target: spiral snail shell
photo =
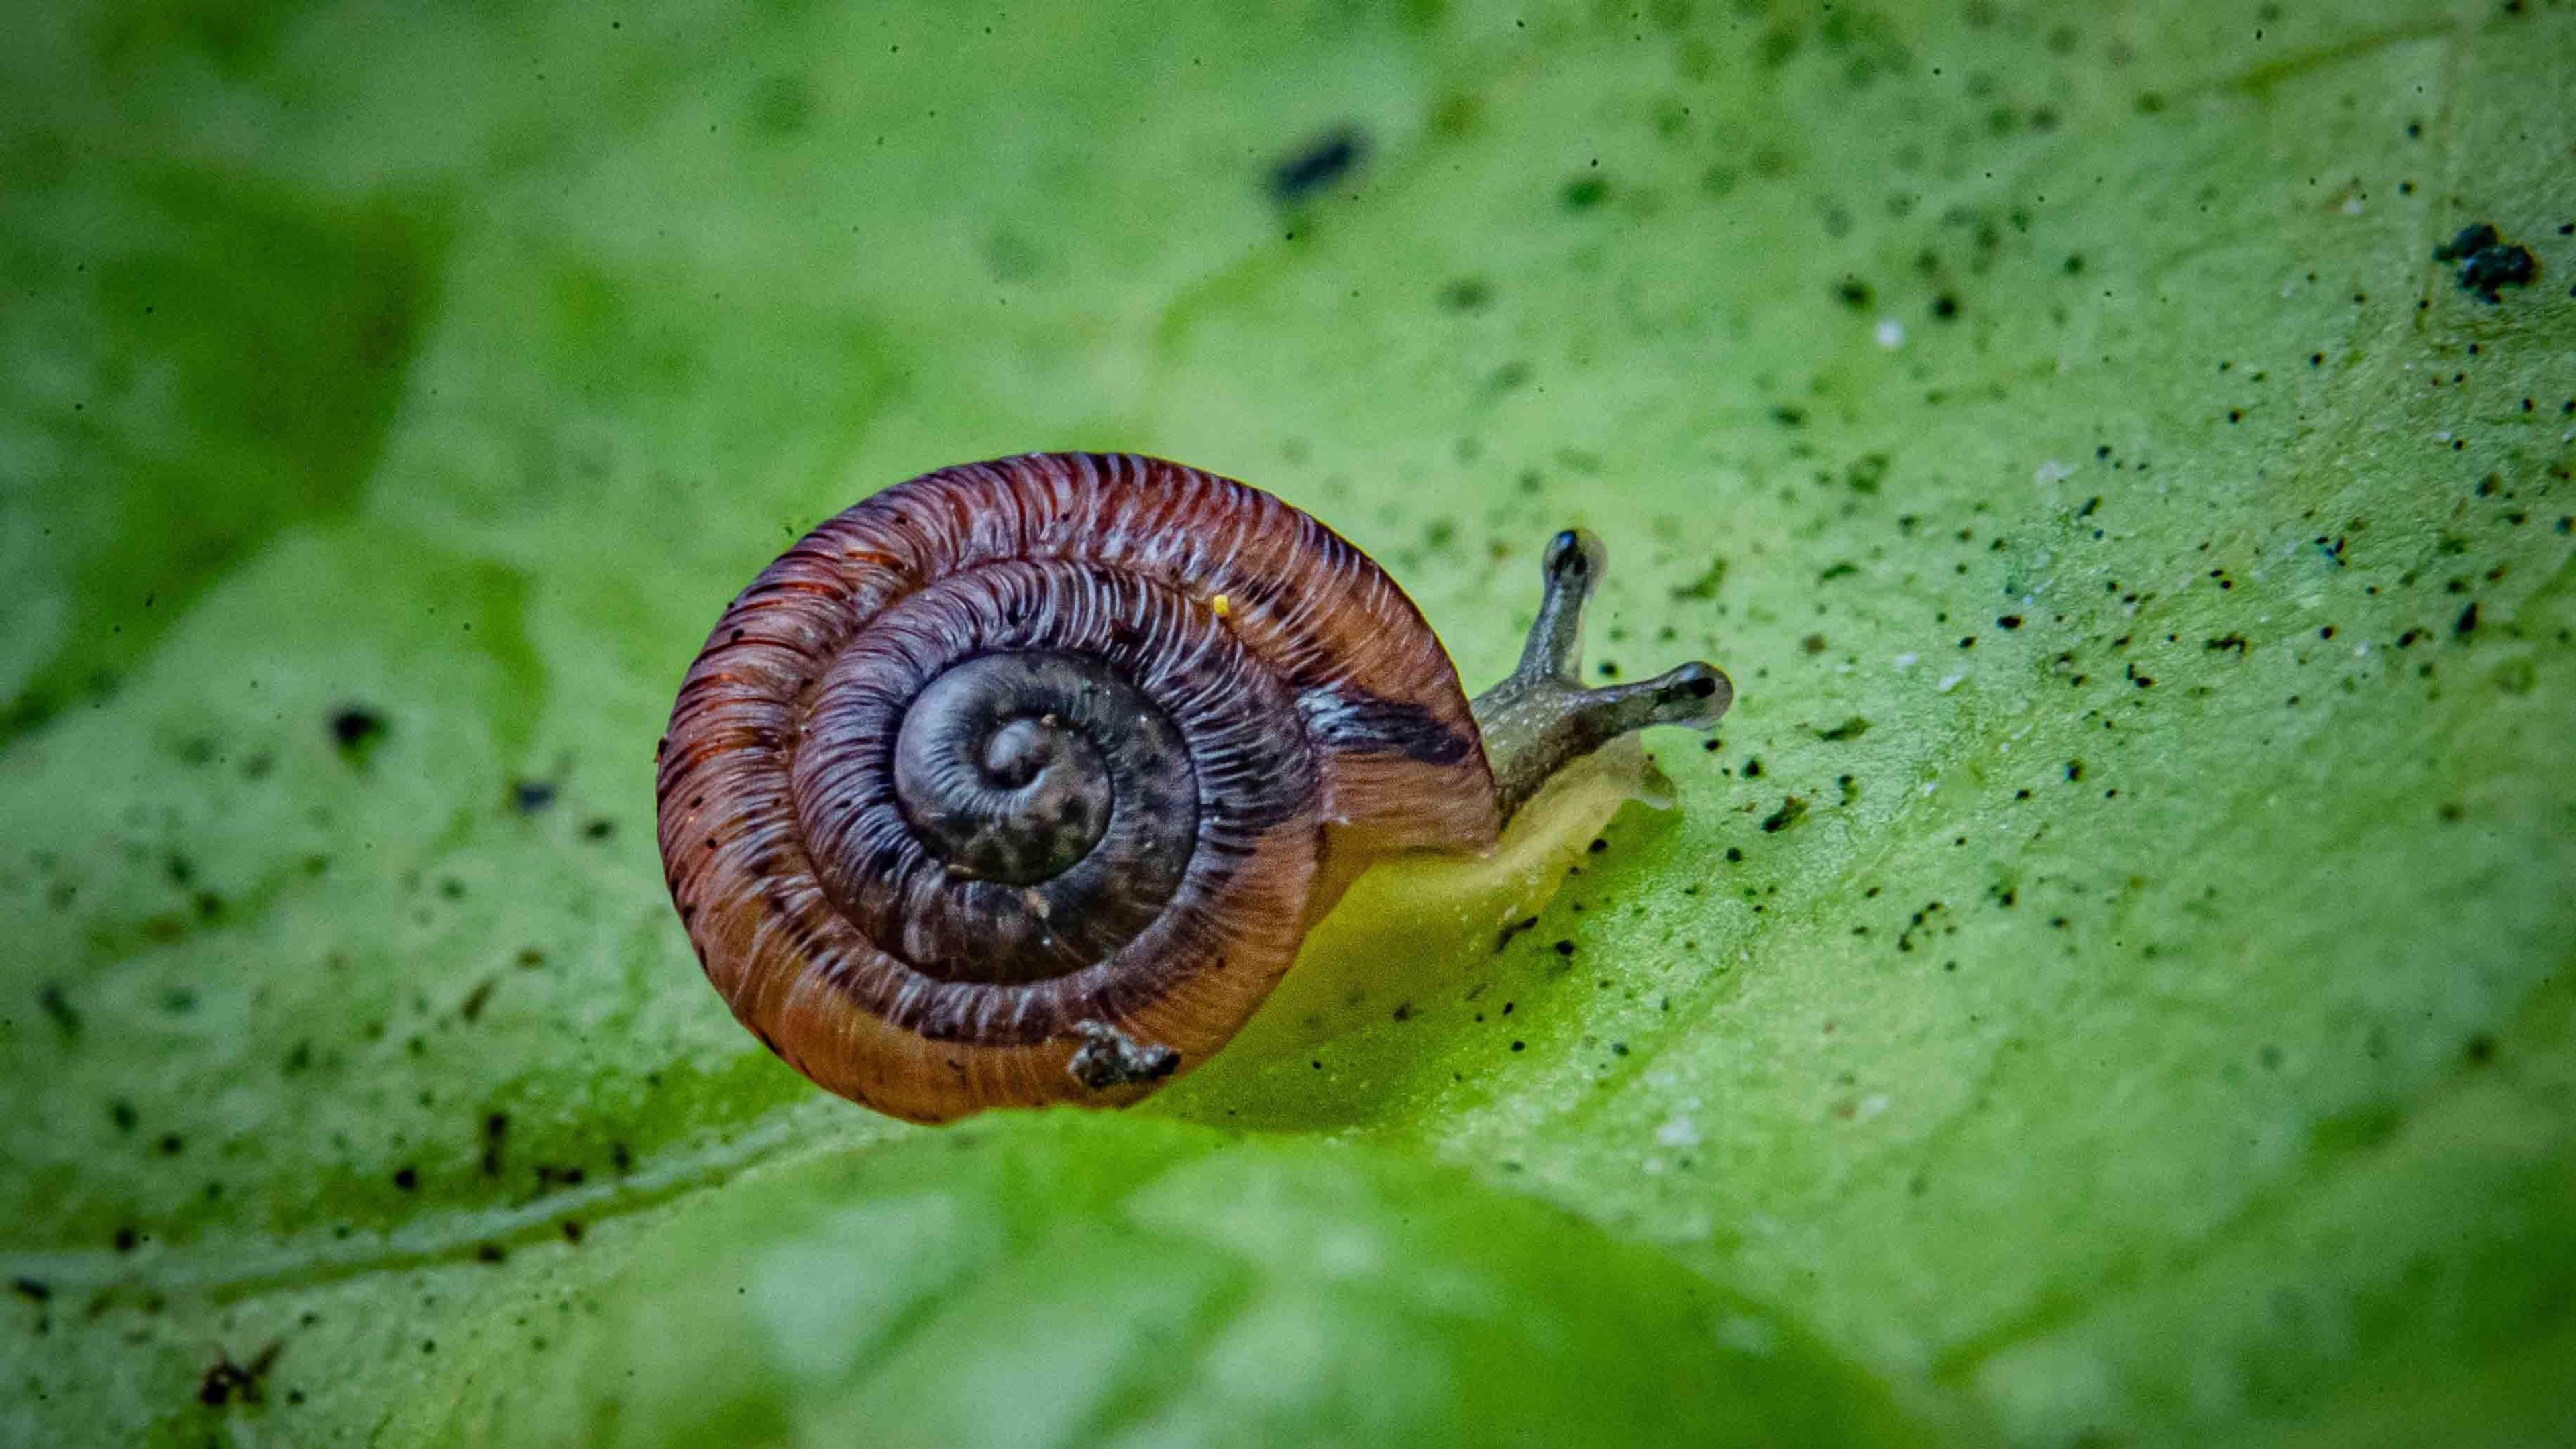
[1021, 781]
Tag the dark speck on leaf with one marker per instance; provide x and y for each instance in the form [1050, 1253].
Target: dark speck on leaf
[1467, 294]
[1850, 729]
[599, 829]
[356, 729]
[1706, 585]
[228, 1382]
[531, 796]
[2488, 262]
[58, 1007]
[1318, 164]
[1791, 811]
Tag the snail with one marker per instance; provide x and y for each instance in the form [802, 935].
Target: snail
[1021, 781]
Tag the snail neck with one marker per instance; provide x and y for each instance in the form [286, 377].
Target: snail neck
[1541, 718]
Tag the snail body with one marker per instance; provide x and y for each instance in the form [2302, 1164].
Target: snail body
[1021, 781]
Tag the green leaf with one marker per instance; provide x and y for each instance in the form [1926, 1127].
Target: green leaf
[1074, 1279]
[2111, 982]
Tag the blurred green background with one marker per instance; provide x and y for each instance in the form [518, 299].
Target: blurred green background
[2111, 984]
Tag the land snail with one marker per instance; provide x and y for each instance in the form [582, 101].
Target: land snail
[1022, 781]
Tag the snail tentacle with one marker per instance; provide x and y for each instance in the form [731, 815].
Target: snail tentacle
[1541, 718]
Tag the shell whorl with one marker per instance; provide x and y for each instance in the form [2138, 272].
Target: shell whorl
[978, 773]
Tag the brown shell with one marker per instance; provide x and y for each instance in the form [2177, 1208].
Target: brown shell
[1324, 725]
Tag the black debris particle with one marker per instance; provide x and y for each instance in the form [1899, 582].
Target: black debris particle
[496, 1139]
[1109, 1058]
[1854, 293]
[530, 796]
[1318, 164]
[599, 829]
[2488, 262]
[407, 1178]
[357, 730]
[1850, 729]
[1792, 810]
[1514, 929]
[2468, 621]
[34, 1290]
[58, 1008]
[229, 1382]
